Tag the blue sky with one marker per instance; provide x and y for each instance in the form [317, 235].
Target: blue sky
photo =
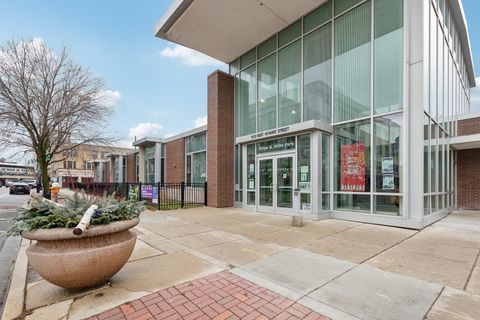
[157, 88]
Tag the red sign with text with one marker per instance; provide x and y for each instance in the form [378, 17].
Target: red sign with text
[352, 167]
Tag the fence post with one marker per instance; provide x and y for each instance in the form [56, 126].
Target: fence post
[205, 193]
[158, 194]
[182, 195]
[139, 191]
[126, 191]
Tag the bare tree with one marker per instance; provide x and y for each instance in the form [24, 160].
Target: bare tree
[48, 103]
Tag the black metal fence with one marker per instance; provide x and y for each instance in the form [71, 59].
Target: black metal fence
[161, 195]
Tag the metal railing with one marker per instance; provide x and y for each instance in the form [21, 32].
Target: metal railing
[164, 196]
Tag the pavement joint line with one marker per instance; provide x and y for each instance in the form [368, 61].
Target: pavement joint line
[434, 301]
[471, 271]
[218, 263]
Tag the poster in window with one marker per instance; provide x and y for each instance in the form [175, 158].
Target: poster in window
[387, 165]
[388, 182]
[352, 166]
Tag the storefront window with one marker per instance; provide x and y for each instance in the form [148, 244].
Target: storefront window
[289, 84]
[304, 171]
[352, 157]
[317, 65]
[388, 148]
[388, 55]
[238, 173]
[352, 63]
[387, 205]
[426, 152]
[267, 93]
[251, 174]
[352, 202]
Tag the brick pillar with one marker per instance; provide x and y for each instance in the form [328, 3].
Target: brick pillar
[220, 140]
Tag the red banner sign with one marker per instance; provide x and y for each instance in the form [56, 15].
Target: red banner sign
[353, 167]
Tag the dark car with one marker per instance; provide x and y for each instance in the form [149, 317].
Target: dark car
[19, 188]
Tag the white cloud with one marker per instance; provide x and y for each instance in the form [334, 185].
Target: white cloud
[110, 98]
[189, 57]
[201, 121]
[146, 129]
[475, 97]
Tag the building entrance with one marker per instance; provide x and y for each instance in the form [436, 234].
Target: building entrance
[276, 181]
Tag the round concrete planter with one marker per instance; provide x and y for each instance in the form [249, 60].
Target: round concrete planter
[84, 261]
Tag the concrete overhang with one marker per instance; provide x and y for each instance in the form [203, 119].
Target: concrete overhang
[466, 142]
[224, 29]
[147, 141]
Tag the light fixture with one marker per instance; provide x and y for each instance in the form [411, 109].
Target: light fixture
[293, 112]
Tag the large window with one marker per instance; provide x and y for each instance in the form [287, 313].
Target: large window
[149, 156]
[247, 101]
[289, 84]
[388, 55]
[352, 64]
[317, 76]
[251, 174]
[196, 159]
[267, 93]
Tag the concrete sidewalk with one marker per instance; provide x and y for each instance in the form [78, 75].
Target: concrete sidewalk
[334, 268]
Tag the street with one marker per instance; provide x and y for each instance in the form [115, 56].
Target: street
[8, 246]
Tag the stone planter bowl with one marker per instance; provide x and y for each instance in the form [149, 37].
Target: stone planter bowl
[84, 261]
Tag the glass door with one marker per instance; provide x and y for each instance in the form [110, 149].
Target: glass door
[265, 185]
[284, 182]
[276, 181]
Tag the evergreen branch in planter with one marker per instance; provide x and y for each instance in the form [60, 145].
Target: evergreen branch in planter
[47, 215]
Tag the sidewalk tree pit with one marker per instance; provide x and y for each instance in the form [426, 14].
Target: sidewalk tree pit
[80, 244]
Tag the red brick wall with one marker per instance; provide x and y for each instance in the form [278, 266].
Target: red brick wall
[469, 126]
[468, 165]
[131, 168]
[220, 140]
[175, 161]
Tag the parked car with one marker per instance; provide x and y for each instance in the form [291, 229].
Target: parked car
[19, 188]
[9, 183]
[31, 183]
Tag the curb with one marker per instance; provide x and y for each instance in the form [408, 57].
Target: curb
[16, 294]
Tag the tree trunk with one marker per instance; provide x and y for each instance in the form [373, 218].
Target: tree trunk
[45, 178]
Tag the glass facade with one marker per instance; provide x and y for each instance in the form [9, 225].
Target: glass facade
[448, 97]
[149, 156]
[343, 65]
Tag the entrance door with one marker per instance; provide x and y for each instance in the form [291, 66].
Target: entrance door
[276, 181]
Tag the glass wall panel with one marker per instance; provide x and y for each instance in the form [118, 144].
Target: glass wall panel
[433, 158]
[388, 148]
[352, 64]
[304, 171]
[317, 65]
[433, 63]
[251, 174]
[426, 152]
[248, 101]
[325, 162]
[196, 143]
[387, 205]
[352, 202]
[267, 93]
[289, 34]
[388, 64]
[317, 17]
[439, 114]
[267, 47]
[342, 5]
[248, 58]
[289, 84]
[352, 157]
[199, 167]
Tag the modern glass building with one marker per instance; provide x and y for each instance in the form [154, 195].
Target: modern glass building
[341, 108]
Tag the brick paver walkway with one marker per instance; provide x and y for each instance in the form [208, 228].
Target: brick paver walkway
[219, 296]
